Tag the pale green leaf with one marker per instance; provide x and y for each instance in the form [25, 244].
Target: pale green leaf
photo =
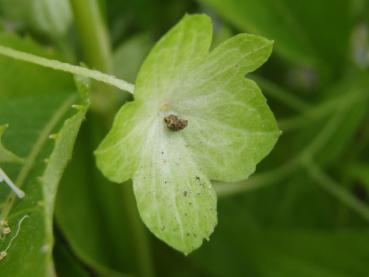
[229, 129]
[125, 137]
[230, 126]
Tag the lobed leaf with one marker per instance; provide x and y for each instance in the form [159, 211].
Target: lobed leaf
[227, 128]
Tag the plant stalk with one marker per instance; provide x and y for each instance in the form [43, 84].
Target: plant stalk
[70, 68]
[94, 38]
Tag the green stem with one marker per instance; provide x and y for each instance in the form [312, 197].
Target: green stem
[73, 69]
[144, 264]
[93, 35]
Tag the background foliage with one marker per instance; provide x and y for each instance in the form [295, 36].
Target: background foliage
[303, 213]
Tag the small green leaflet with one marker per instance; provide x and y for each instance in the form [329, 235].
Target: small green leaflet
[220, 128]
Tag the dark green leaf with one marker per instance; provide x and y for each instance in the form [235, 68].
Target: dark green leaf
[34, 110]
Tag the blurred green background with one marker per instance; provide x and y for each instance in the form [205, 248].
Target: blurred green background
[305, 212]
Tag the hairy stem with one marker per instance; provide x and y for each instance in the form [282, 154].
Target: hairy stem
[73, 69]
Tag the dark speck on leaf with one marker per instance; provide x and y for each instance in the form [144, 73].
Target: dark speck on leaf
[185, 193]
[197, 178]
[174, 123]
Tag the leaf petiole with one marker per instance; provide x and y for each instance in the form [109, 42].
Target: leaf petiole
[61, 66]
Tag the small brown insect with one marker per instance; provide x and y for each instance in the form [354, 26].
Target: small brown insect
[174, 123]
